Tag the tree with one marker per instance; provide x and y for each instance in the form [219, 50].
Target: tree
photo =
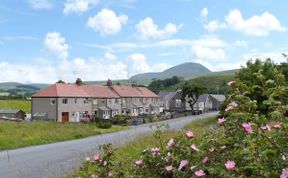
[191, 93]
[60, 81]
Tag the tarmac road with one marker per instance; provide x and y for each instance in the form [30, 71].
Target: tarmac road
[60, 159]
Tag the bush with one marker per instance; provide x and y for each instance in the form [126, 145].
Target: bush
[121, 119]
[249, 142]
[101, 123]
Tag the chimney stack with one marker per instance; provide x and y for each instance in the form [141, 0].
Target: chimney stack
[134, 84]
[109, 83]
[78, 82]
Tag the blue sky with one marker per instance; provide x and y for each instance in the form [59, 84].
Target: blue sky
[47, 40]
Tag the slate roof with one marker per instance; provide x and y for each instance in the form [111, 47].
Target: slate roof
[4, 111]
[166, 96]
[202, 98]
[219, 98]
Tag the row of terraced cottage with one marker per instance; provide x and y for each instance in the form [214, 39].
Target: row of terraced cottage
[74, 102]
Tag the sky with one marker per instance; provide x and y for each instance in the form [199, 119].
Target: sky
[43, 41]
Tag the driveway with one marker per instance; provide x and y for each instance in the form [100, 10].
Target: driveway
[60, 159]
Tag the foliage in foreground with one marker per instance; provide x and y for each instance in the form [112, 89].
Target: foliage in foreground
[251, 142]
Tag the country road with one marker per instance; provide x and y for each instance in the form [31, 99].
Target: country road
[60, 159]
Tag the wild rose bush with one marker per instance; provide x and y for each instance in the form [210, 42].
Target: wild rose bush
[246, 143]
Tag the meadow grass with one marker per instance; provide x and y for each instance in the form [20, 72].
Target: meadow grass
[128, 153]
[24, 105]
[15, 135]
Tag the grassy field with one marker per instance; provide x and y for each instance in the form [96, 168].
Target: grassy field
[15, 135]
[130, 152]
[25, 105]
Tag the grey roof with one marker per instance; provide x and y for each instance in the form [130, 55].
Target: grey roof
[220, 98]
[4, 111]
[166, 96]
[202, 98]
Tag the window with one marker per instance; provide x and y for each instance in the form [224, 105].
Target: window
[95, 102]
[116, 100]
[109, 101]
[178, 103]
[64, 100]
[52, 101]
[123, 101]
[103, 101]
[141, 99]
[86, 101]
[75, 100]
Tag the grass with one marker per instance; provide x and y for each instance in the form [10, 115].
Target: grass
[25, 105]
[15, 135]
[130, 152]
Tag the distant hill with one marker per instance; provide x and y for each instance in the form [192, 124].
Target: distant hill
[14, 88]
[185, 70]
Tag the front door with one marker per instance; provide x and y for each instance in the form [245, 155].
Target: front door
[65, 117]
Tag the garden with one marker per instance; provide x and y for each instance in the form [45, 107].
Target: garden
[249, 140]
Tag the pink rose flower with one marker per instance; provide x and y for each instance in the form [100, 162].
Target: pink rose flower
[110, 174]
[169, 168]
[155, 151]
[284, 173]
[138, 163]
[231, 83]
[132, 176]
[183, 163]
[96, 157]
[200, 173]
[205, 160]
[189, 134]
[266, 127]
[193, 146]
[171, 143]
[231, 106]
[247, 127]
[230, 165]
[221, 120]
[277, 126]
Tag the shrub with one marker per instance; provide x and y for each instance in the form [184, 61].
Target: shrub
[251, 140]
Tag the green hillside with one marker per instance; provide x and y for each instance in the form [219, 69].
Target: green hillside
[25, 105]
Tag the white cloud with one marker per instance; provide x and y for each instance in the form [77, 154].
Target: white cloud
[78, 6]
[148, 29]
[45, 71]
[139, 63]
[107, 22]
[257, 25]
[40, 4]
[206, 53]
[204, 12]
[56, 44]
[209, 48]
[110, 56]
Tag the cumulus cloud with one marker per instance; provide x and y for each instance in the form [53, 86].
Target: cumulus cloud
[56, 44]
[209, 49]
[140, 65]
[257, 25]
[40, 4]
[78, 6]
[148, 29]
[45, 71]
[204, 12]
[107, 22]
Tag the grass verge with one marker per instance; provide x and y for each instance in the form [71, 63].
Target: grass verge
[130, 152]
[15, 135]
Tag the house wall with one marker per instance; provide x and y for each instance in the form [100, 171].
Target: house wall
[75, 109]
[173, 105]
[96, 103]
[44, 105]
